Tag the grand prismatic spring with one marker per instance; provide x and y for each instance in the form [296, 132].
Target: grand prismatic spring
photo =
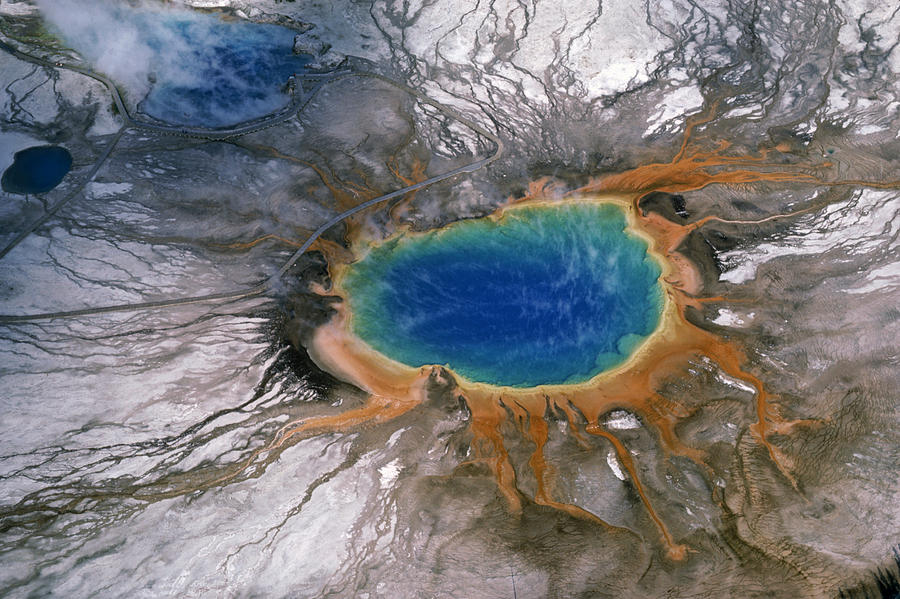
[391, 277]
[542, 296]
[449, 299]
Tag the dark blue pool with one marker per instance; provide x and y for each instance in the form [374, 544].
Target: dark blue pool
[222, 73]
[36, 170]
[545, 295]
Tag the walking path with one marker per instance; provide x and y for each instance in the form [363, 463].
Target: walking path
[293, 109]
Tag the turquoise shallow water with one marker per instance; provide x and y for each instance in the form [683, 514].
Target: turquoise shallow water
[546, 295]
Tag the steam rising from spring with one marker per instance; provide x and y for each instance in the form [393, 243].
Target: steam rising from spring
[187, 67]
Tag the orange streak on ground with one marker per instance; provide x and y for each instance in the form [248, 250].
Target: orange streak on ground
[676, 551]
[334, 252]
[417, 175]
[348, 358]
[346, 194]
[377, 409]
[488, 447]
[392, 391]
[339, 189]
[719, 298]
[396, 388]
[249, 244]
[689, 174]
[572, 420]
[537, 432]
[691, 123]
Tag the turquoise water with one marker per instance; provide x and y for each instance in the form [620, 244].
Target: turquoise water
[546, 295]
[36, 170]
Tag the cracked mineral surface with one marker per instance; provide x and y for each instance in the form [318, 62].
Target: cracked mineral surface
[187, 412]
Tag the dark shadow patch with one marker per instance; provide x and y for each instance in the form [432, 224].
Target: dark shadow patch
[882, 583]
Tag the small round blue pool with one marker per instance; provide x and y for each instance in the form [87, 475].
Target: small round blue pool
[545, 294]
[36, 170]
[214, 73]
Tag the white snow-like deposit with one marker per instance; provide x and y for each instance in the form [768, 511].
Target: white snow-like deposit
[613, 463]
[854, 226]
[12, 142]
[622, 420]
[677, 103]
[728, 318]
[883, 277]
[16, 8]
[881, 18]
[97, 190]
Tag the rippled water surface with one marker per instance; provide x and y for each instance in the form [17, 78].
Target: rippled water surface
[544, 295]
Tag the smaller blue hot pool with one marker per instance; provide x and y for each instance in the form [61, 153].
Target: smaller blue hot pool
[214, 73]
[36, 170]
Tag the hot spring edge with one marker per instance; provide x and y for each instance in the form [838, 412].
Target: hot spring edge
[534, 295]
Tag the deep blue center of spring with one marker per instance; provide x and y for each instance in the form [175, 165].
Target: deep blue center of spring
[544, 295]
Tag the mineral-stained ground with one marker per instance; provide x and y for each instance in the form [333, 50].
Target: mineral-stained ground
[212, 448]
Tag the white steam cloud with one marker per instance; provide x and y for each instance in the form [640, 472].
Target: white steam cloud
[196, 68]
[116, 39]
